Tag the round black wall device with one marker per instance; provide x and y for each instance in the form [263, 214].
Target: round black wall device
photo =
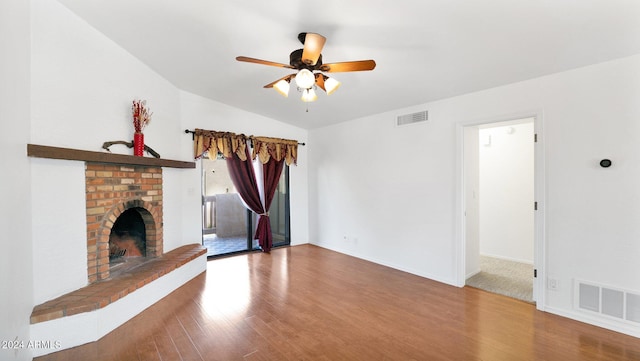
[605, 163]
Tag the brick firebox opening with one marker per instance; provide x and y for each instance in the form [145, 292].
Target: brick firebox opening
[110, 191]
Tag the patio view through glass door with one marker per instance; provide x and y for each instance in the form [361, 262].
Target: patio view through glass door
[227, 225]
[279, 211]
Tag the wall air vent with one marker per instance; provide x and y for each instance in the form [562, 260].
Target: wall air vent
[412, 118]
[609, 301]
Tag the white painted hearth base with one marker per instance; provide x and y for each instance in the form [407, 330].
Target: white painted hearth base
[67, 332]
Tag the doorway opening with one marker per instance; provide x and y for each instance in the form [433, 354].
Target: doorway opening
[228, 227]
[499, 207]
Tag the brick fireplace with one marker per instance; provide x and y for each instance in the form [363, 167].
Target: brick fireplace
[110, 191]
[116, 185]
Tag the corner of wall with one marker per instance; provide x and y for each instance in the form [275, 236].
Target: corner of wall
[16, 272]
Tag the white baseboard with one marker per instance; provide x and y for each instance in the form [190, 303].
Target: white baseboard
[596, 321]
[472, 274]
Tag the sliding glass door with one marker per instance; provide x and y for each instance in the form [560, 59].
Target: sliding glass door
[227, 225]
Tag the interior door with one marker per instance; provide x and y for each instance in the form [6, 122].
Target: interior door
[498, 190]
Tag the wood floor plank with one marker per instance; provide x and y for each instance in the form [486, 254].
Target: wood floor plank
[309, 303]
[166, 347]
[147, 350]
[275, 345]
[181, 339]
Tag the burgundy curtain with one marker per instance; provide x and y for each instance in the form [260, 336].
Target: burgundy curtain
[271, 172]
[244, 179]
[271, 176]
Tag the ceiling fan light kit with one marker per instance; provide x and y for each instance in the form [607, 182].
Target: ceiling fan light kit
[305, 79]
[308, 63]
[309, 95]
[330, 84]
[282, 87]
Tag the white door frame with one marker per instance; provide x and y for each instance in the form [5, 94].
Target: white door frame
[539, 251]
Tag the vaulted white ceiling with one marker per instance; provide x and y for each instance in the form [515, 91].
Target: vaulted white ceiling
[424, 49]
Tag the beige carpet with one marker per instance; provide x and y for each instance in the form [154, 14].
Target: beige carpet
[504, 277]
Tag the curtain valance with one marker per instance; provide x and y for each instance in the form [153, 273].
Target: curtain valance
[227, 143]
[265, 148]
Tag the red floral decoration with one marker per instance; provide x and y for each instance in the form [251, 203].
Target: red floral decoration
[141, 115]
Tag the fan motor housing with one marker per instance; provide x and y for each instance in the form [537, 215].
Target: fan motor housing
[295, 60]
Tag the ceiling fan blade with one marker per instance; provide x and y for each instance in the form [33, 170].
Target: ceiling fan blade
[263, 62]
[287, 78]
[359, 65]
[313, 44]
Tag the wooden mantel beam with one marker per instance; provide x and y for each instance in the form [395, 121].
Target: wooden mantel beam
[43, 151]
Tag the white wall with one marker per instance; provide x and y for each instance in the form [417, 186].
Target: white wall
[506, 191]
[16, 276]
[59, 227]
[83, 86]
[385, 193]
[471, 172]
[403, 214]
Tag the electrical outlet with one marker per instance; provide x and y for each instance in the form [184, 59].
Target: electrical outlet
[553, 284]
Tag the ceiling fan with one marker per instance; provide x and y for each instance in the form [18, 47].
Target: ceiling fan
[308, 63]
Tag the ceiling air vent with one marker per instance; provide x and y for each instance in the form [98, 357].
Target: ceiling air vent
[412, 118]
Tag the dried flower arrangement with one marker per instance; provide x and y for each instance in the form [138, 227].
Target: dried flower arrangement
[141, 115]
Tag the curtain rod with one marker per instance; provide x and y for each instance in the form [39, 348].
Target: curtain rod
[193, 133]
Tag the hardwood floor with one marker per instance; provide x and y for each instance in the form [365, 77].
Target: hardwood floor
[309, 303]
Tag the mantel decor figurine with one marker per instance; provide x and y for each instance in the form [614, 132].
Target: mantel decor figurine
[141, 117]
